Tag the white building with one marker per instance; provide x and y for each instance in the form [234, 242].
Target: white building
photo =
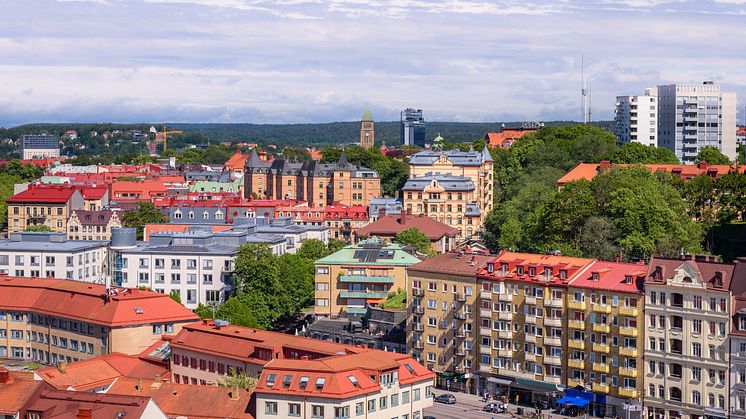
[636, 119]
[692, 116]
[39, 146]
[44, 254]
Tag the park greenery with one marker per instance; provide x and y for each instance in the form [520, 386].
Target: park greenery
[12, 173]
[396, 300]
[145, 213]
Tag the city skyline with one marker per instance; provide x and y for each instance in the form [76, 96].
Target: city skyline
[298, 61]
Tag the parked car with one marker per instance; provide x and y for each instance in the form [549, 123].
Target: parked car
[429, 417]
[495, 407]
[446, 398]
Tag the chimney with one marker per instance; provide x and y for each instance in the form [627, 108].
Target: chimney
[702, 165]
[4, 375]
[62, 366]
[158, 378]
[381, 212]
[234, 392]
[605, 163]
[85, 413]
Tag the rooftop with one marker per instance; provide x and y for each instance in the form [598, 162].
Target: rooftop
[372, 251]
[41, 241]
[46, 195]
[390, 225]
[449, 183]
[587, 171]
[90, 302]
[457, 263]
[67, 404]
[530, 267]
[99, 372]
[612, 276]
[457, 157]
[15, 390]
[714, 275]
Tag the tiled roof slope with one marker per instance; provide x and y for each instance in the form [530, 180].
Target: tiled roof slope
[100, 372]
[390, 225]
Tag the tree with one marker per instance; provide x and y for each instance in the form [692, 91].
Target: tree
[313, 250]
[233, 310]
[567, 211]
[297, 289]
[396, 300]
[636, 153]
[38, 228]
[146, 213]
[711, 155]
[238, 379]
[26, 172]
[175, 295]
[7, 183]
[258, 282]
[598, 237]
[415, 238]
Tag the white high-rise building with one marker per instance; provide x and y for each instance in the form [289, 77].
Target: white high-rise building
[692, 116]
[636, 119]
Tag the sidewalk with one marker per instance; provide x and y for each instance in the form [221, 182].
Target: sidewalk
[475, 401]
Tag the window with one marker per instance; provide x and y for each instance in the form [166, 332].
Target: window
[696, 397]
[270, 408]
[382, 402]
[294, 409]
[371, 406]
[416, 395]
[405, 397]
[342, 412]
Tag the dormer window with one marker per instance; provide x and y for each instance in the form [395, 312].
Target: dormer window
[742, 322]
[718, 280]
[504, 267]
[531, 271]
[320, 383]
[303, 383]
[595, 276]
[490, 267]
[627, 279]
[271, 379]
[548, 272]
[519, 270]
[286, 380]
[563, 274]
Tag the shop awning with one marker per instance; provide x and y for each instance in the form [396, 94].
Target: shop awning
[535, 385]
[500, 381]
[573, 401]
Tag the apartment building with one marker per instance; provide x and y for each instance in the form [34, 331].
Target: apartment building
[311, 181]
[39, 146]
[454, 187]
[372, 384]
[636, 119]
[688, 310]
[358, 275]
[92, 225]
[51, 255]
[442, 317]
[45, 206]
[738, 342]
[49, 321]
[692, 116]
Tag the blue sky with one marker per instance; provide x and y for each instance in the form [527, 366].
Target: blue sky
[288, 61]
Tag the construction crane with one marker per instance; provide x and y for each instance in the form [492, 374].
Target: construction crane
[164, 134]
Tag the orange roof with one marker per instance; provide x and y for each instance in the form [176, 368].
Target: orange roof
[100, 371]
[88, 302]
[612, 276]
[16, 390]
[506, 137]
[236, 162]
[143, 189]
[67, 404]
[517, 267]
[588, 171]
[178, 228]
[340, 376]
[245, 344]
[315, 154]
[183, 400]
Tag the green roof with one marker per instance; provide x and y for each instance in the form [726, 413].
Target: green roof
[367, 115]
[370, 252]
[209, 186]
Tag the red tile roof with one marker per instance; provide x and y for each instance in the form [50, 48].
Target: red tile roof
[16, 391]
[92, 192]
[101, 371]
[66, 404]
[506, 137]
[183, 400]
[87, 302]
[588, 171]
[456, 263]
[572, 267]
[94, 218]
[612, 276]
[46, 195]
[236, 162]
[390, 225]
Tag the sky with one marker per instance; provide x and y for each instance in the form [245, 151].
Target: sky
[299, 61]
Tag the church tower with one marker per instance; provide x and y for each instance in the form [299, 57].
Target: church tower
[367, 131]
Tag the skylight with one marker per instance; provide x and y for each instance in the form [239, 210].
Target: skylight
[286, 380]
[138, 310]
[303, 382]
[320, 383]
[271, 379]
[353, 380]
[409, 368]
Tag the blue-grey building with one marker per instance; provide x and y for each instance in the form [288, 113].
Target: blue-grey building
[39, 146]
[412, 127]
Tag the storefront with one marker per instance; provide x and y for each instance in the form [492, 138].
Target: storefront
[529, 392]
[453, 381]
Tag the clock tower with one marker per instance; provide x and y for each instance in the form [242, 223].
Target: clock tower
[367, 131]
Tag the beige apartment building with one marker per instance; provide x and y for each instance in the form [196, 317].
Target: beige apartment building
[359, 275]
[442, 316]
[688, 310]
[92, 225]
[47, 206]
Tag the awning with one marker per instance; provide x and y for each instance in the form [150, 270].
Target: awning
[500, 381]
[573, 401]
[535, 385]
[579, 402]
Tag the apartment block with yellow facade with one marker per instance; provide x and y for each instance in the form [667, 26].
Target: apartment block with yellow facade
[43, 206]
[442, 316]
[359, 275]
[453, 187]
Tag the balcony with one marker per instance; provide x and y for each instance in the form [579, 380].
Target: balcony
[628, 331]
[576, 344]
[553, 321]
[530, 357]
[530, 300]
[418, 327]
[628, 392]
[505, 297]
[418, 292]
[576, 363]
[553, 360]
[601, 327]
[601, 308]
[460, 297]
[628, 372]
[419, 345]
[485, 313]
[530, 338]
[364, 294]
[418, 310]
[598, 367]
[485, 331]
[460, 334]
[484, 368]
[530, 319]
[600, 388]
[574, 383]
[460, 352]
[600, 347]
[484, 349]
[627, 351]
[576, 305]
[485, 295]
[505, 334]
[556, 303]
[459, 315]
[576, 324]
[505, 353]
[552, 341]
[505, 315]
[628, 311]
[367, 279]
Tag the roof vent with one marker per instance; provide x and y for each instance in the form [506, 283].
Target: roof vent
[138, 310]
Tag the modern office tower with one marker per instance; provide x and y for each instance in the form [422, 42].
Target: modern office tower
[412, 127]
[692, 116]
[39, 146]
[636, 119]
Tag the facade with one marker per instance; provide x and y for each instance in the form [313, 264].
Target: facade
[390, 206]
[92, 225]
[359, 275]
[367, 130]
[412, 128]
[372, 384]
[50, 255]
[692, 116]
[688, 311]
[51, 320]
[453, 187]
[737, 338]
[442, 236]
[45, 206]
[442, 317]
[318, 184]
[39, 146]
[636, 119]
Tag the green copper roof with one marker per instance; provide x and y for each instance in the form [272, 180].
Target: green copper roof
[209, 186]
[370, 252]
[367, 115]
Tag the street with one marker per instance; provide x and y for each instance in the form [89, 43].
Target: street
[467, 406]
